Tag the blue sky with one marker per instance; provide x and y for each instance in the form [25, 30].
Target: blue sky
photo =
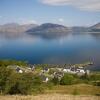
[67, 12]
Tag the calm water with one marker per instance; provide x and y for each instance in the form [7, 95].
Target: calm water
[68, 49]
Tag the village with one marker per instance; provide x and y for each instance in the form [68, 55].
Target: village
[21, 77]
[49, 71]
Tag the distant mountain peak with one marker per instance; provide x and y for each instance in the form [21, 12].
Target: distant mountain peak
[96, 26]
[15, 28]
[51, 25]
[11, 24]
[49, 30]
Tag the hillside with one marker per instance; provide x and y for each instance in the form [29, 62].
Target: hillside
[49, 30]
[15, 28]
[95, 28]
[79, 29]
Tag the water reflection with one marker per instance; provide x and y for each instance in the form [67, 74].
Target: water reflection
[96, 35]
[72, 48]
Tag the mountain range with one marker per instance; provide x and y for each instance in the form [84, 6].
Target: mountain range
[95, 28]
[16, 28]
[46, 29]
[49, 30]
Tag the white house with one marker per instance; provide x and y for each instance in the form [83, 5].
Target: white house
[87, 72]
[67, 70]
[19, 70]
[81, 71]
[75, 70]
[59, 69]
[47, 79]
[46, 70]
[31, 67]
[44, 78]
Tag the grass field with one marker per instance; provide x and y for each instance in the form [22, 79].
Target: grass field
[70, 92]
[50, 97]
[79, 89]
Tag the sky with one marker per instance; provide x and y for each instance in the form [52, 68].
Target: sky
[66, 12]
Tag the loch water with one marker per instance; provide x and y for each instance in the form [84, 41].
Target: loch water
[72, 48]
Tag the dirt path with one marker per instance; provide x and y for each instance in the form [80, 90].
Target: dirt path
[50, 97]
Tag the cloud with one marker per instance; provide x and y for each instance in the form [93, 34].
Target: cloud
[25, 21]
[88, 5]
[30, 22]
[61, 20]
[0, 16]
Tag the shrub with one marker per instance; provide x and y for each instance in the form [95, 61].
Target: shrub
[94, 77]
[67, 79]
[18, 84]
[96, 83]
[55, 81]
[4, 74]
[23, 84]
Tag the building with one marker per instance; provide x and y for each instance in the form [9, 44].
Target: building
[44, 78]
[75, 70]
[18, 70]
[67, 70]
[46, 70]
[31, 67]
